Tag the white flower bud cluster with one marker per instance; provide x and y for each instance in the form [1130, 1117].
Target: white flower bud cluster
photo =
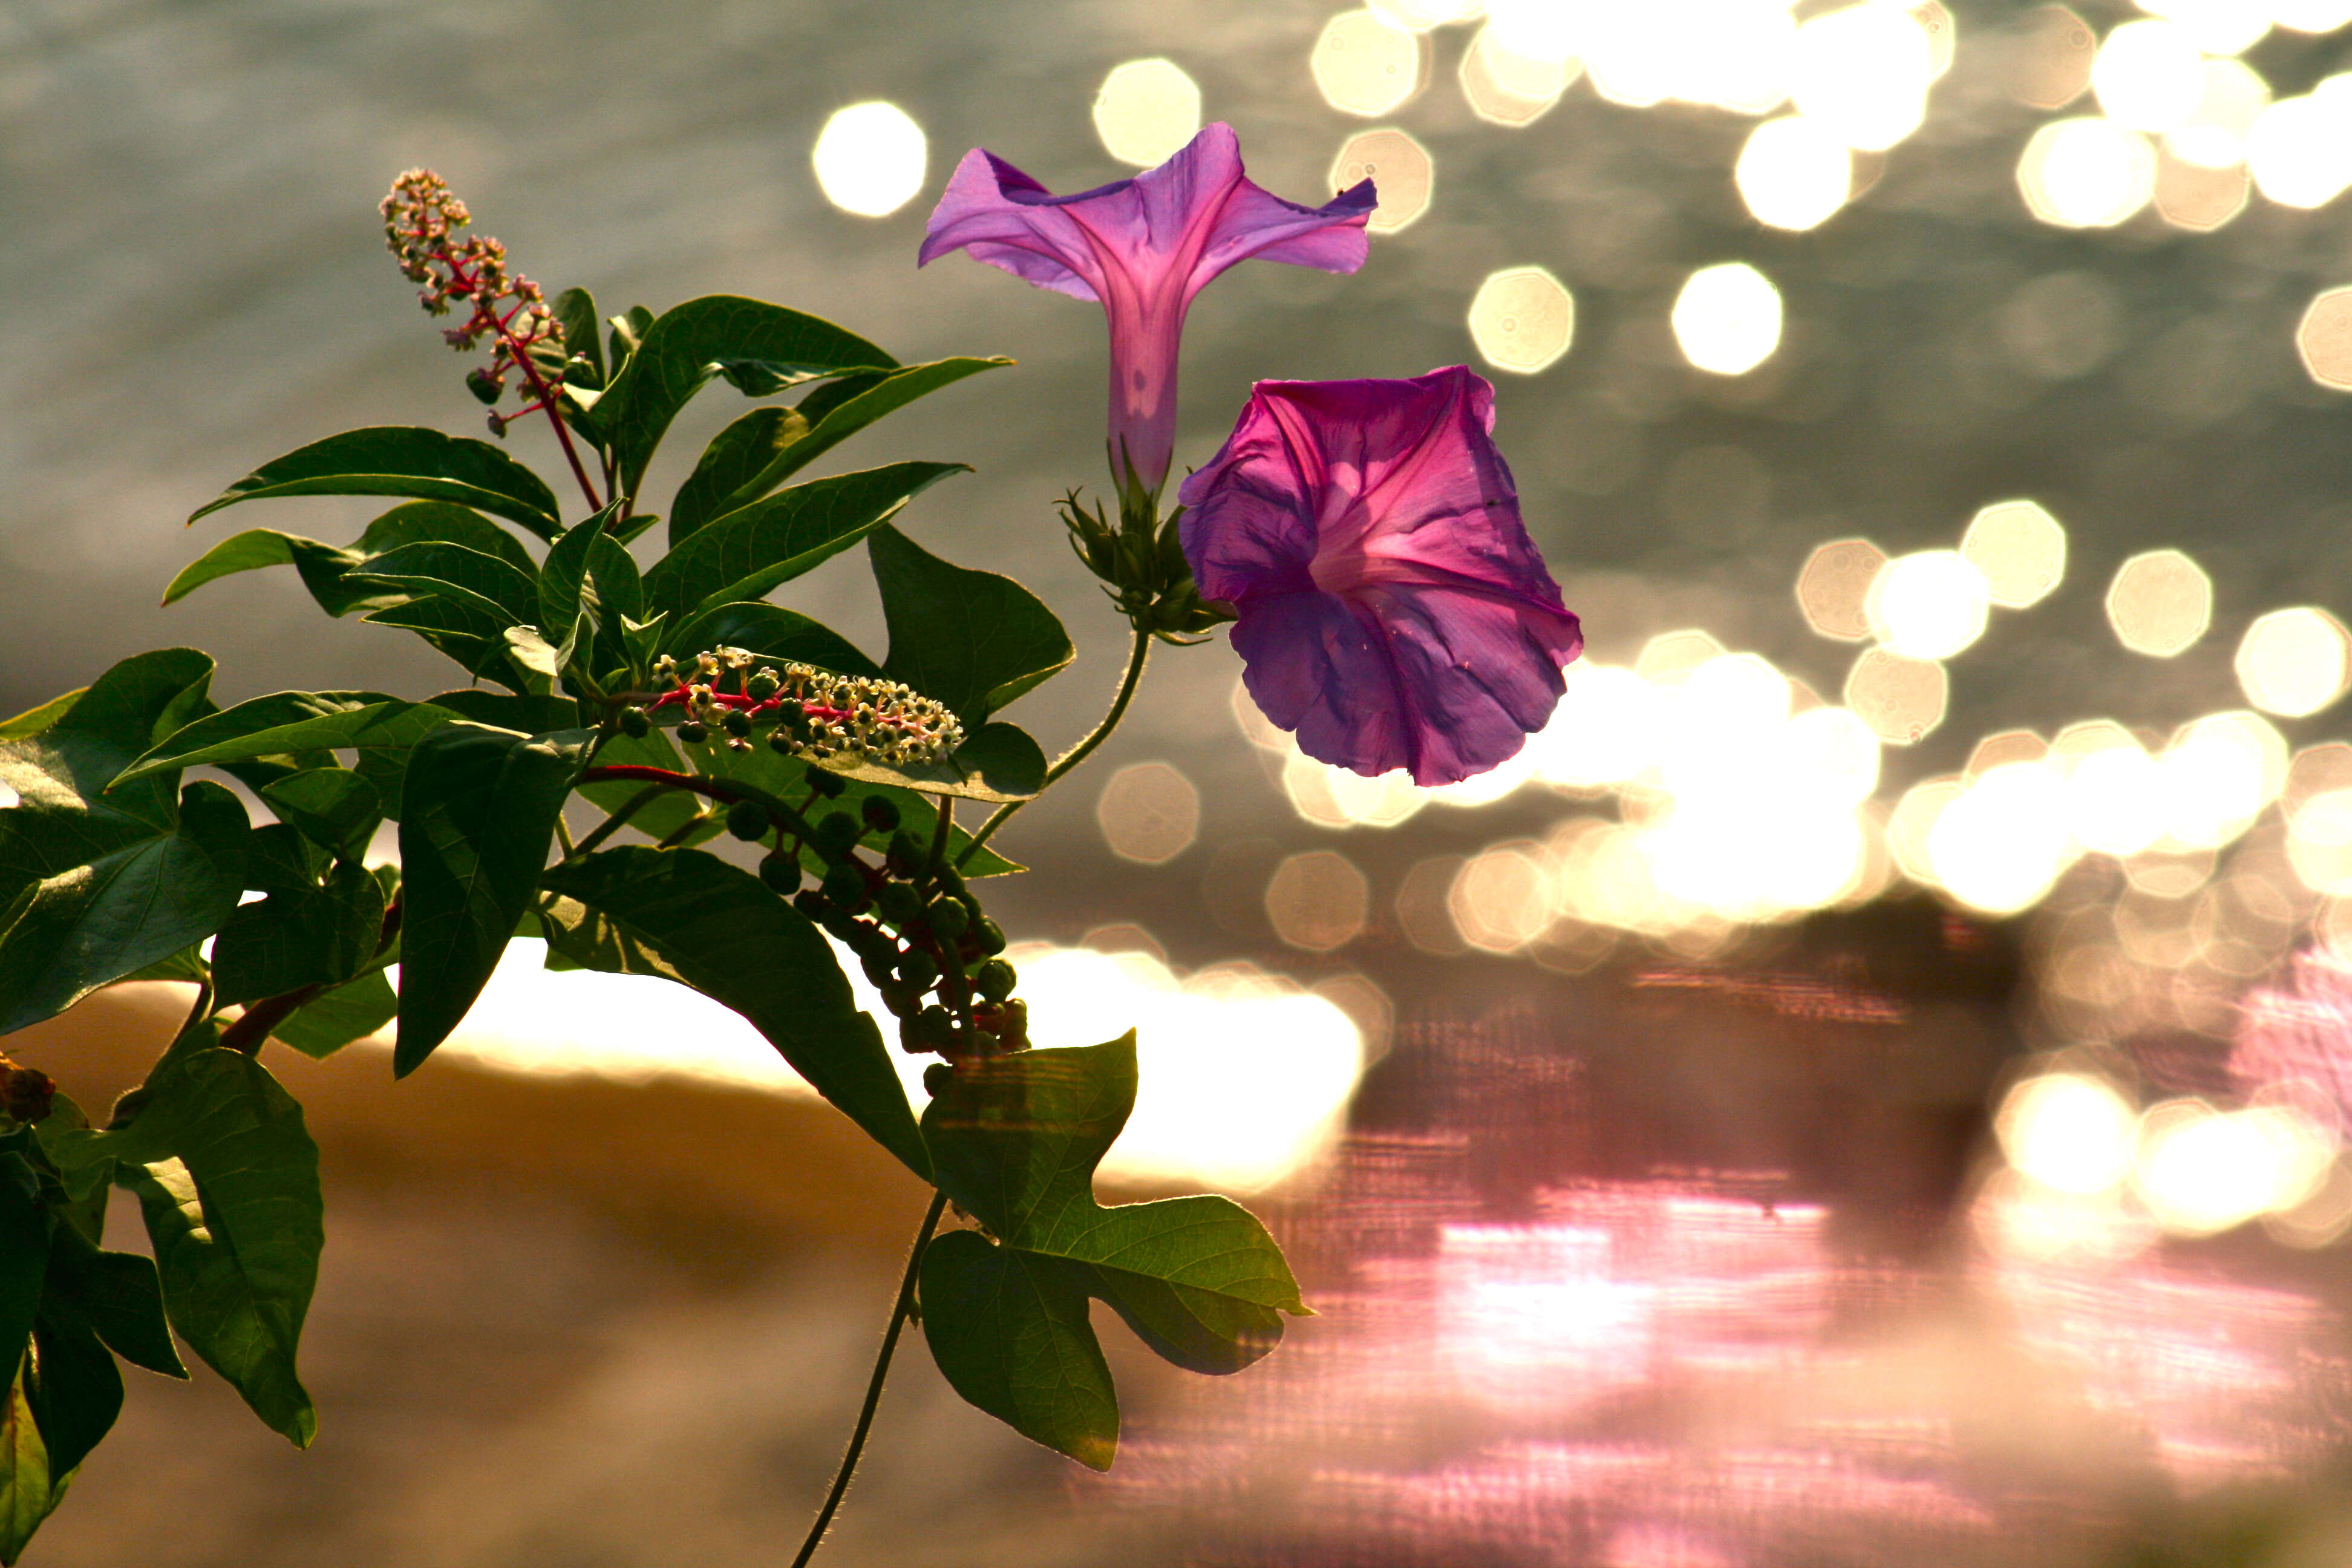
[818, 714]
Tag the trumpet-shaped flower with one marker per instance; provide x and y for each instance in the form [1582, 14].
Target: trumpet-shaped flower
[1143, 248]
[1392, 610]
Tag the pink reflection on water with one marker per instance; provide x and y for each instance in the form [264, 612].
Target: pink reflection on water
[2299, 1033]
[1673, 1371]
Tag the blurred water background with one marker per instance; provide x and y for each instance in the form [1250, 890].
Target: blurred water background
[1866, 1086]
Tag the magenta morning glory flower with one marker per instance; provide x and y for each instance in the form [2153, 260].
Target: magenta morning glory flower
[1143, 247]
[1392, 610]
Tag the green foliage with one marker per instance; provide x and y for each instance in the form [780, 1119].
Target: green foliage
[973, 640]
[113, 866]
[402, 461]
[227, 1178]
[692, 918]
[761, 348]
[1014, 1140]
[95, 885]
[748, 552]
[477, 813]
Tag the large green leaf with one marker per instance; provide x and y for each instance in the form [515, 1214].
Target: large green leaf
[300, 936]
[763, 347]
[227, 1178]
[436, 568]
[29, 1493]
[477, 813]
[719, 930]
[380, 730]
[25, 1228]
[748, 551]
[735, 457]
[335, 808]
[822, 428]
[93, 885]
[117, 1295]
[973, 640]
[333, 1019]
[75, 1390]
[1016, 1140]
[325, 569]
[404, 461]
[33, 721]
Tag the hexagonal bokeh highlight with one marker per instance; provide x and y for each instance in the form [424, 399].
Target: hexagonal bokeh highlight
[1902, 700]
[1148, 813]
[2053, 51]
[2003, 748]
[870, 159]
[1522, 318]
[1401, 169]
[1792, 173]
[1318, 902]
[2294, 662]
[1145, 110]
[1364, 63]
[2086, 173]
[1670, 656]
[1726, 319]
[2019, 548]
[1833, 589]
[1929, 604]
[2324, 339]
[2198, 199]
[2160, 602]
[1511, 90]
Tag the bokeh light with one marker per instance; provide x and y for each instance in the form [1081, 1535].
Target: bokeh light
[2019, 548]
[2202, 1171]
[1902, 700]
[2216, 776]
[1604, 732]
[1366, 64]
[1929, 604]
[2324, 339]
[2216, 27]
[1792, 173]
[1861, 73]
[1422, 15]
[1149, 813]
[1145, 110]
[870, 159]
[2294, 662]
[2200, 199]
[2052, 52]
[2299, 150]
[2070, 1131]
[2149, 76]
[1401, 169]
[1506, 88]
[2231, 96]
[1318, 901]
[1522, 319]
[2310, 15]
[2160, 602]
[1833, 588]
[1727, 318]
[1502, 898]
[2086, 173]
[2004, 841]
[2114, 801]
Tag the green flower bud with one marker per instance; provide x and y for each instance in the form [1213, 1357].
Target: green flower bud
[692, 733]
[737, 723]
[835, 831]
[881, 813]
[846, 886]
[919, 969]
[747, 820]
[811, 901]
[937, 1079]
[995, 979]
[782, 873]
[760, 686]
[635, 724]
[947, 917]
[931, 1029]
[904, 1001]
[988, 936]
[905, 857]
[898, 903]
[782, 744]
[877, 969]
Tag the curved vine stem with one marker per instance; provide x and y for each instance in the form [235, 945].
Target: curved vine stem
[1076, 755]
[898, 1316]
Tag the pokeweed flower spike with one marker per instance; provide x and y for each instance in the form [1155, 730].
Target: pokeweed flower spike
[817, 714]
[1391, 609]
[421, 220]
[1143, 248]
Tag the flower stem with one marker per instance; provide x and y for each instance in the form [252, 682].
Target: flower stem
[1076, 755]
[898, 1315]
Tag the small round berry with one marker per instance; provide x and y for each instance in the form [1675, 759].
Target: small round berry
[947, 917]
[881, 813]
[782, 873]
[692, 732]
[747, 820]
[635, 724]
[828, 784]
[995, 979]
